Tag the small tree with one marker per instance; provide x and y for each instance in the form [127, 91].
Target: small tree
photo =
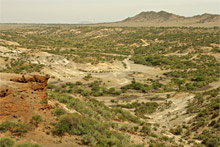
[59, 111]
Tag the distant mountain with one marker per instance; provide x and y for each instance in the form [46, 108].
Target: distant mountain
[206, 18]
[154, 16]
[164, 18]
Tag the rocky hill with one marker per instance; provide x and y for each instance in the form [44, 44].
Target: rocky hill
[161, 16]
[165, 19]
[206, 18]
[164, 16]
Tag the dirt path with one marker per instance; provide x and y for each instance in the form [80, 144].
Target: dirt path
[63, 106]
[128, 66]
[145, 43]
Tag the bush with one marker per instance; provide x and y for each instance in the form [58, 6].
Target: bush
[5, 126]
[21, 66]
[27, 145]
[51, 86]
[14, 127]
[142, 108]
[212, 142]
[36, 120]
[6, 142]
[177, 131]
[87, 77]
[135, 86]
[126, 115]
[94, 132]
[89, 140]
[146, 130]
[60, 112]
[146, 108]
[78, 83]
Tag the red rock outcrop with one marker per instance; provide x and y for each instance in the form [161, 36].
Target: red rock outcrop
[22, 96]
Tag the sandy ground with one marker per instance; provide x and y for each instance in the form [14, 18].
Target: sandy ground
[113, 74]
[175, 114]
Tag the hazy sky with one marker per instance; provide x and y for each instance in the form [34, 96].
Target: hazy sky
[74, 11]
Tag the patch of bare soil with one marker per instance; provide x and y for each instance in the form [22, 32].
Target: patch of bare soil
[9, 42]
[175, 114]
[145, 43]
[113, 74]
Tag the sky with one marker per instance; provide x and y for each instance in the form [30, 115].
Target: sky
[75, 11]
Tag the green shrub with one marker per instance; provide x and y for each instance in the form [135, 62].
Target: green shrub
[36, 120]
[89, 140]
[146, 130]
[177, 131]
[6, 142]
[5, 126]
[215, 50]
[146, 108]
[135, 86]
[87, 77]
[51, 86]
[212, 142]
[142, 108]
[14, 127]
[126, 115]
[59, 111]
[78, 83]
[27, 145]
[94, 132]
[21, 66]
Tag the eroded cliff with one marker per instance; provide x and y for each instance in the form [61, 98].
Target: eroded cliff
[22, 96]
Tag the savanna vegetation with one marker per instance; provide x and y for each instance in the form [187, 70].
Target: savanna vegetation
[188, 59]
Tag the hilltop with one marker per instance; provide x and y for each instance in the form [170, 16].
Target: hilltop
[166, 19]
[161, 16]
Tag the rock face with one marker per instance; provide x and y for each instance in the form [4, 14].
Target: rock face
[22, 96]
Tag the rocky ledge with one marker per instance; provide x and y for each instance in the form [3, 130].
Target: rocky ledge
[22, 96]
